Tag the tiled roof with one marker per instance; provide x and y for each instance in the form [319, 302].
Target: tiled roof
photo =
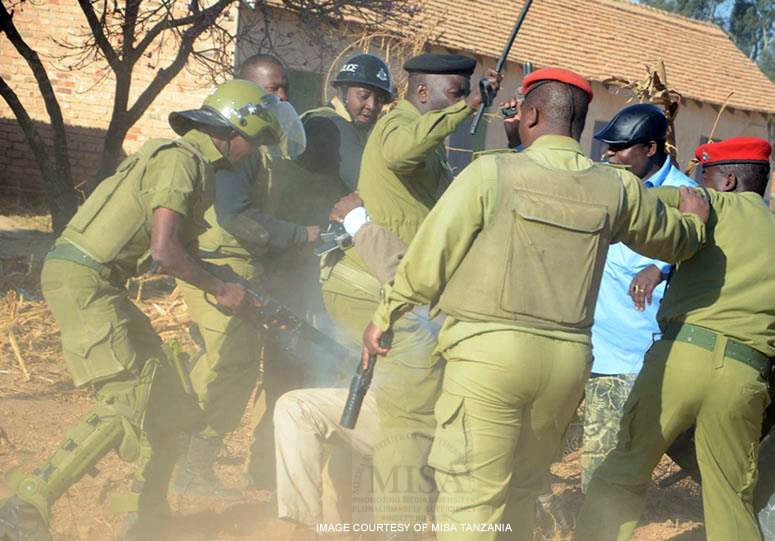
[605, 38]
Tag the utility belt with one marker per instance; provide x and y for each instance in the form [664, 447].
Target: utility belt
[706, 339]
[70, 252]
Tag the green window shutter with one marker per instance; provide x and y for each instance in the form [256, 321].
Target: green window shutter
[305, 89]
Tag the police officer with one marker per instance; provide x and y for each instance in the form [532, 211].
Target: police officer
[404, 171]
[340, 130]
[149, 212]
[243, 234]
[327, 171]
[712, 363]
[512, 254]
[621, 333]
[306, 190]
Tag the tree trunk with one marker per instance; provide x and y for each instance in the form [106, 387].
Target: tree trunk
[112, 152]
[62, 202]
[57, 178]
[57, 185]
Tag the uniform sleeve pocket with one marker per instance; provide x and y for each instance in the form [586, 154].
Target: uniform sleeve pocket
[450, 453]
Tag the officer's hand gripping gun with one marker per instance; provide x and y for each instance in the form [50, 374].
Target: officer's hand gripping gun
[335, 237]
[360, 384]
[301, 341]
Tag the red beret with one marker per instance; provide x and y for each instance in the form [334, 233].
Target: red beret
[556, 74]
[734, 150]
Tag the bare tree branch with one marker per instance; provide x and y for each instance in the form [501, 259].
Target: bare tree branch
[128, 31]
[97, 30]
[169, 24]
[37, 145]
[165, 75]
[57, 178]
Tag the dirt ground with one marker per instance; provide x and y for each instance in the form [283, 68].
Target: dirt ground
[38, 402]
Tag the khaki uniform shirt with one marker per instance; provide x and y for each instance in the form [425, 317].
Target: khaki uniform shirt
[729, 286]
[172, 179]
[445, 237]
[404, 169]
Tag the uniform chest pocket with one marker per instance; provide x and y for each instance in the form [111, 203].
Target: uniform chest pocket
[554, 258]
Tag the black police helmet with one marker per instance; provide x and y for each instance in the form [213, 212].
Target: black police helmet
[366, 70]
[639, 123]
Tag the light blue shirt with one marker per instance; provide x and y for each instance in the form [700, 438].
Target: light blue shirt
[621, 335]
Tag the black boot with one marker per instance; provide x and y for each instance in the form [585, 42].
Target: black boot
[196, 477]
[20, 521]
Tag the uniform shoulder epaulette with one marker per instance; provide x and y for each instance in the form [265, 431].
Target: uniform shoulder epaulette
[492, 152]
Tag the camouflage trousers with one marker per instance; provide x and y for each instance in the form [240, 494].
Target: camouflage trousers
[604, 398]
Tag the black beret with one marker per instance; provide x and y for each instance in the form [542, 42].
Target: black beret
[447, 64]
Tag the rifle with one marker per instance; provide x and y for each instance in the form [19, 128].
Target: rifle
[360, 384]
[484, 86]
[292, 334]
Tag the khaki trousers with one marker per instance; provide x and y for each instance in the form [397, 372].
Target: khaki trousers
[681, 384]
[141, 406]
[406, 385]
[224, 377]
[507, 400]
[322, 467]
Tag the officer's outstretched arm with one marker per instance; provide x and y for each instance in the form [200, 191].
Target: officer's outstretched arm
[405, 145]
[652, 228]
[171, 258]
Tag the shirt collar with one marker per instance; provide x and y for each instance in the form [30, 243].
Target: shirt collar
[657, 179]
[556, 142]
[205, 145]
[406, 105]
[340, 108]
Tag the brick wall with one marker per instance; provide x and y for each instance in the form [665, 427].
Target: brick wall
[85, 95]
